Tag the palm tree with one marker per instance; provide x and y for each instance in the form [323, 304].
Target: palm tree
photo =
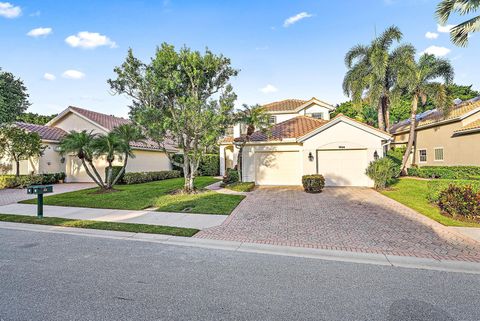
[127, 133]
[459, 34]
[108, 146]
[419, 80]
[80, 143]
[371, 72]
[253, 117]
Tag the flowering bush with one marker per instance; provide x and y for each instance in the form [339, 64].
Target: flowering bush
[460, 200]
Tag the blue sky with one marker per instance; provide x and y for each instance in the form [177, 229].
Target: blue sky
[41, 42]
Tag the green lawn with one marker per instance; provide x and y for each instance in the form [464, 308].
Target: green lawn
[141, 196]
[112, 226]
[241, 186]
[413, 193]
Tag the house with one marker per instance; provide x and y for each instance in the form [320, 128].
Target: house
[450, 138]
[148, 155]
[304, 140]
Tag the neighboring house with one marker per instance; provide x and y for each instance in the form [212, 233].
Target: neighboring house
[451, 138]
[304, 140]
[148, 155]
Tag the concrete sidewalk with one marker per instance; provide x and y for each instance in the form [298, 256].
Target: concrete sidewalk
[330, 255]
[197, 221]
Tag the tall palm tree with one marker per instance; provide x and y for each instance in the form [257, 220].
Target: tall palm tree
[127, 133]
[80, 143]
[371, 72]
[254, 118]
[419, 80]
[459, 34]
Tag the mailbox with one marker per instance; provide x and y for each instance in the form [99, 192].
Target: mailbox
[39, 190]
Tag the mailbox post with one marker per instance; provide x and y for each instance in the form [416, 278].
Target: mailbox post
[39, 190]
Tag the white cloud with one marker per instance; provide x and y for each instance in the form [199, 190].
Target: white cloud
[296, 18]
[38, 32]
[89, 40]
[8, 10]
[73, 74]
[48, 76]
[431, 35]
[437, 51]
[445, 28]
[269, 89]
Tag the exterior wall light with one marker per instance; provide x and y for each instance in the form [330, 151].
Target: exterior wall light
[62, 160]
[310, 157]
[375, 155]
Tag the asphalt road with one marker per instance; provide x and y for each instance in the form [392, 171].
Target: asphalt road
[47, 276]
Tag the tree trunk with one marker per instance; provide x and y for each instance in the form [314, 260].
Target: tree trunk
[89, 173]
[17, 171]
[99, 178]
[109, 176]
[188, 186]
[380, 116]
[122, 171]
[239, 162]
[386, 112]
[411, 135]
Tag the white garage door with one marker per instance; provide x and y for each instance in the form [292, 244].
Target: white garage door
[343, 167]
[278, 168]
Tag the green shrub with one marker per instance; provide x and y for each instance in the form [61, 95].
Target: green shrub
[209, 165]
[396, 156]
[446, 172]
[436, 186]
[144, 177]
[115, 171]
[22, 181]
[231, 176]
[382, 171]
[313, 183]
[460, 200]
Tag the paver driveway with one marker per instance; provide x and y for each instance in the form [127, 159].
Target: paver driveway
[350, 219]
[13, 195]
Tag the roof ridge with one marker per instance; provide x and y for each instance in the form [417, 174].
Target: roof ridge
[96, 112]
[282, 100]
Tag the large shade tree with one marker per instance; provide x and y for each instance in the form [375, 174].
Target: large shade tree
[180, 97]
[13, 97]
[459, 33]
[372, 75]
[252, 118]
[16, 145]
[421, 80]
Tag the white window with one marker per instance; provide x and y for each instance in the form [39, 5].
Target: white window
[422, 153]
[317, 115]
[438, 155]
[272, 120]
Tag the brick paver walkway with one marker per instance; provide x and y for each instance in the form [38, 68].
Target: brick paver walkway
[13, 195]
[349, 219]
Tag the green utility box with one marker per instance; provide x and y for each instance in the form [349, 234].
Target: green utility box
[39, 190]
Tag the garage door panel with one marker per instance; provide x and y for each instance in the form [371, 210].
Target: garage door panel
[343, 167]
[278, 168]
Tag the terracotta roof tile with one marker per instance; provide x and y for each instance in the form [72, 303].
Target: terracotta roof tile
[472, 125]
[284, 105]
[435, 116]
[45, 132]
[292, 128]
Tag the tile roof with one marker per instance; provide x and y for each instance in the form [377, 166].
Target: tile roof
[45, 132]
[292, 128]
[107, 121]
[434, 116]
[468, 127]
[284, 105]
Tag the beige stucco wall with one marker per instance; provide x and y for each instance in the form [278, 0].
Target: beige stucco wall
[457, 150]
[50, 162]
[72, 121]
[309, 110]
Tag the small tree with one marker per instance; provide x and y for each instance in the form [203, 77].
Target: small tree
[13, 97]
[17, 144]
[253, 117]
[181, 97]
[419, 80]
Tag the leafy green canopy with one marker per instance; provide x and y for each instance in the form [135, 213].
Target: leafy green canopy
[182, 96]
[13, 97]
[34, 118]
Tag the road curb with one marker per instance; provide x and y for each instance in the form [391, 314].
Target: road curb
[320, 254]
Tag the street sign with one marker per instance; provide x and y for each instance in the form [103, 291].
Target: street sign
[39, 190]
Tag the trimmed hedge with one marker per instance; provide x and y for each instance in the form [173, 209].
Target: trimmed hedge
[22, 181]
[435, 187]
[313, 183]
[460, 201]
[231, 176]
[446, 172]
[209, 166]
[144, 177]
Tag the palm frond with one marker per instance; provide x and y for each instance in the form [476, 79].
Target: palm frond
[460, 33]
